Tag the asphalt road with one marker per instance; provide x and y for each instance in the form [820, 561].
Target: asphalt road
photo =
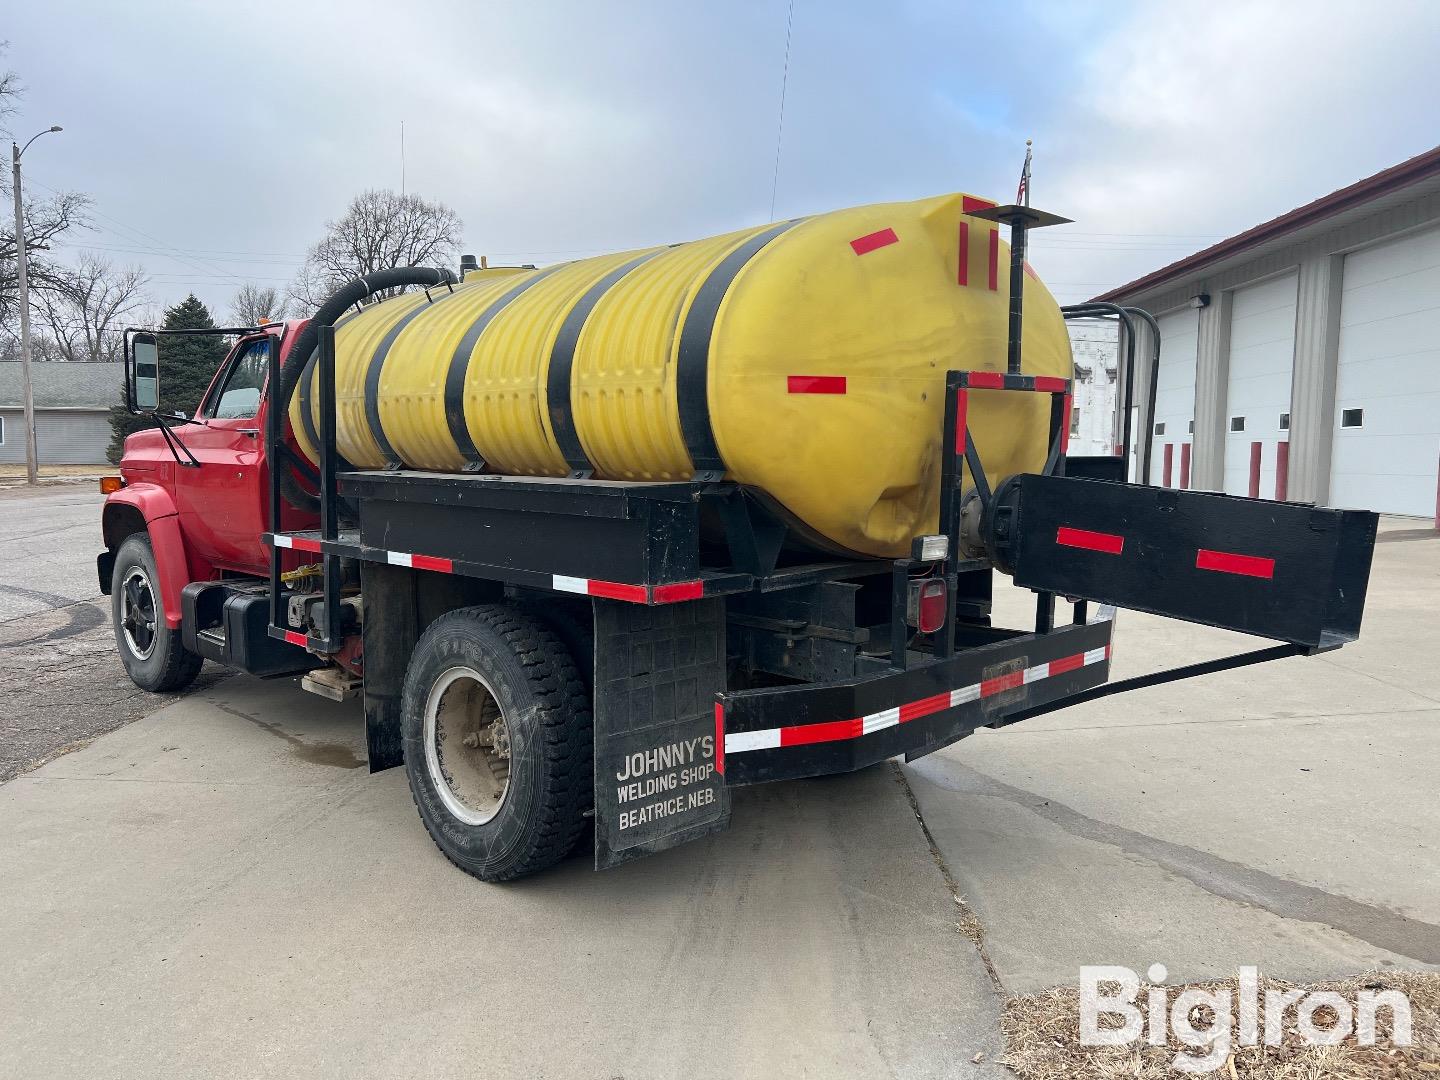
[58, 672]
[48, 540]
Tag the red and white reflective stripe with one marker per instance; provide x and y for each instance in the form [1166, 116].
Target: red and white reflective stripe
[614, 590]
[738, 742]
[298, 543]
[673, 593]
[419, 562]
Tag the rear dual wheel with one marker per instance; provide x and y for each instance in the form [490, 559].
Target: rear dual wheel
[497, 740]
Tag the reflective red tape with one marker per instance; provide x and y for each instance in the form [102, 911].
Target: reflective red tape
[962, 414]
[969, 204]
[815, 384]
[614, 590]
[962, 273]
[720, 738]
[1067, 663]
[1001, 683]
[296, 639]
[1108, 543]
[913, 710]
[826, 732]
[677, 591]
[1065, 424]
[1226, 562]
[987, 380]
[994, 259]
[863, 245]
[301, 543]
[430, 562]
[1049, 384]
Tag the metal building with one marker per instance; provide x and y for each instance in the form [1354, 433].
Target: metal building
[1301, 359]
[72, 405]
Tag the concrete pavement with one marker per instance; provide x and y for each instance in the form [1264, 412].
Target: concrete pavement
[222, 890]
[1281, 815]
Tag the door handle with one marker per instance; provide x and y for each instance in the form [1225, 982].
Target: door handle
[253, 432]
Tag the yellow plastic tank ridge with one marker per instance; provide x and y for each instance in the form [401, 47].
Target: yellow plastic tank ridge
[805, 359]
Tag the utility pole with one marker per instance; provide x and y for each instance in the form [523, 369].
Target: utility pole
[32, 463]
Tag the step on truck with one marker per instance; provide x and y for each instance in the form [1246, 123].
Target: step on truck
[549, 635]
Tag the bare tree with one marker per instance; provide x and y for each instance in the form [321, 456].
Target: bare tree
[255, 304]
[379, 231]
[45, 220]
[83, 317]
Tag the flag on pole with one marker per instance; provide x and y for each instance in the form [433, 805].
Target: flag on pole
[1022, 193]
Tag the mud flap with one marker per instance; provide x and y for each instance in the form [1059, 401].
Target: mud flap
[657, 672]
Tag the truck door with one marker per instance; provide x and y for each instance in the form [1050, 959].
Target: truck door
[222, 503]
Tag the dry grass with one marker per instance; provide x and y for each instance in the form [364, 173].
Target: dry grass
[1042, 1034]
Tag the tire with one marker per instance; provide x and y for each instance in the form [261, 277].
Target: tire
[500, 687]
[153, 655]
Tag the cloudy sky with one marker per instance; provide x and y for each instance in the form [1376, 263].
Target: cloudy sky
[215, 139]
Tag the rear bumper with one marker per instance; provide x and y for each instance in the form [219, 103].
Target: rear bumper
[783, 733]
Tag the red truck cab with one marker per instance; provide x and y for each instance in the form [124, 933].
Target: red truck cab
[202, 511]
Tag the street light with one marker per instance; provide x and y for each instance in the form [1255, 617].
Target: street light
[21, 259]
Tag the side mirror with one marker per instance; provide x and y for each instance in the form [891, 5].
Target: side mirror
[145, 373]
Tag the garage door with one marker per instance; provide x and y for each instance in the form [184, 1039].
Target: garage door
[1174, 398]
[1262, 361]
[1387, 393]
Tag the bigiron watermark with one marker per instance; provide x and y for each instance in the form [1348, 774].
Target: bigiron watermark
[1321, 1017]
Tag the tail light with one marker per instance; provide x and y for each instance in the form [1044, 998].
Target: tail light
[928, 604]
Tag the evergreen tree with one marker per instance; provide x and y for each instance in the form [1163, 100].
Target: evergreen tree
[187, 364]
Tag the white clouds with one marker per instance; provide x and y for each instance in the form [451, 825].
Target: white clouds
[569, 127]
[1209, 119]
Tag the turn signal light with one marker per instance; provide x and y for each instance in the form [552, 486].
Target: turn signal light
[928, 604]
[110, 484]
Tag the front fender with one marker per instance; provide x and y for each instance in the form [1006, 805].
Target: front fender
[151, 508]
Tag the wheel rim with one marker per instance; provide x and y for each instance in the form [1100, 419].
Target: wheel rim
[467, 745]
[137, 613]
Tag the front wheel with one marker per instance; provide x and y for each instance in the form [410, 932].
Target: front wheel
[497, 738]
[153, 654]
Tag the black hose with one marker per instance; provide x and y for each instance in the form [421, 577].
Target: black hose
[304, 347]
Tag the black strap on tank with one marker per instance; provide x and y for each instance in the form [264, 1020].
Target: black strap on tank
[693, 356]
[377, 365]
[307, 417]
[460, 362]
[562, 363]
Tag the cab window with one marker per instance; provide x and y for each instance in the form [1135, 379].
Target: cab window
[239, 394]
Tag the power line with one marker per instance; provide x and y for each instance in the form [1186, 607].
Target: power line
[780, 127]
[178, 256]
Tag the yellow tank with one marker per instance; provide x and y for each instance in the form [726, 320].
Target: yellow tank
[804, 358]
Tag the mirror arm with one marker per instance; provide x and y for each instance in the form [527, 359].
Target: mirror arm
[173, 441]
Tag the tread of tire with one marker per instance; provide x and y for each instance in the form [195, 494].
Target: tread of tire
[558, 688]
[181, 665]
